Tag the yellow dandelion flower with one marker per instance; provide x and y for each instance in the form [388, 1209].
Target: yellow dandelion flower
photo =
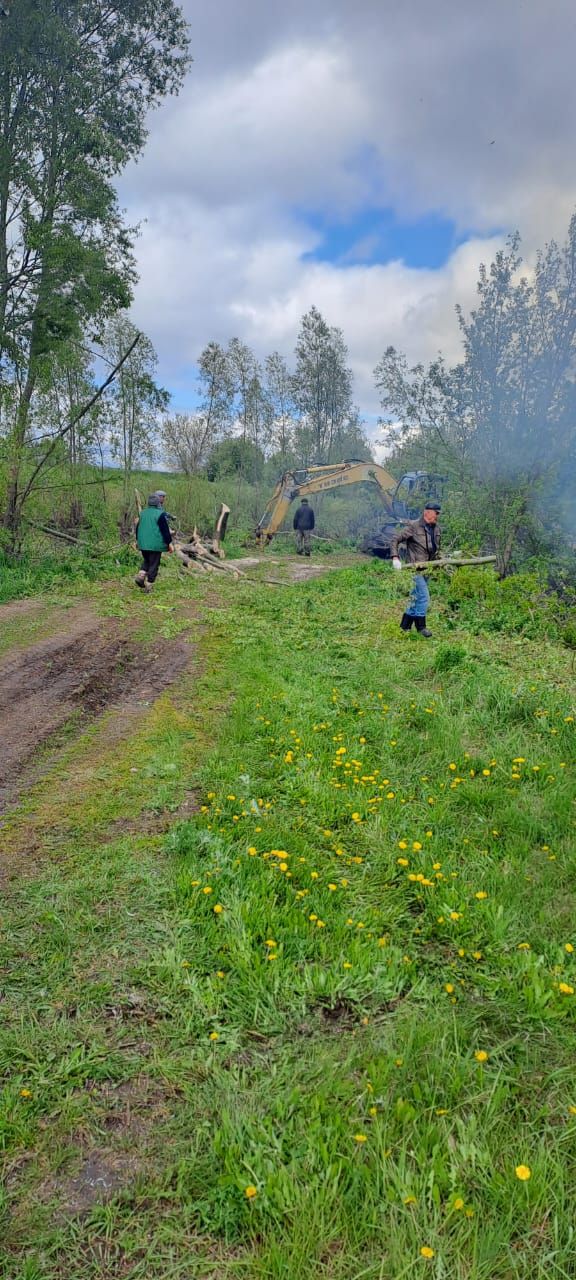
[426, 1251]
[250, 1192]
[372, 1111]
[448, 986]
[347, 964]
[25, 1093]
[252, 851]
[569, 948]
[565, 989]
[458, 1203]
[220, 974]
[332, 887]
[523, 1172]
[218, 909]
[207, 889]
[481, 1055]
[481, 895]
[402, 862]
[360, 1137]
[213, 1035]
[410, 1200]
[270, 943]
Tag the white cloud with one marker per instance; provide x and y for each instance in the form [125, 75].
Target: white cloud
[462, 110]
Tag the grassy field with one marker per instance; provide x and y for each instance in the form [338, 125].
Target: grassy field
[323, 1025]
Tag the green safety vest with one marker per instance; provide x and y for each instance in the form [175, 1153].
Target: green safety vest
[149, 535]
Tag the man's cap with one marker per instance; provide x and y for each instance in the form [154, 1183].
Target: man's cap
[304, 500]
[432, 506]
[161, 493]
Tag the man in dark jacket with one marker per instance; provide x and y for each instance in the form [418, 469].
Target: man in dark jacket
[153, 537]
[422, 541]
[303, 524]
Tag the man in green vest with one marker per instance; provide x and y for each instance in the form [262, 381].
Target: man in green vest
[153, 537]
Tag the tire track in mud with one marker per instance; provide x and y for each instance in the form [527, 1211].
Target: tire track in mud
[67, 681]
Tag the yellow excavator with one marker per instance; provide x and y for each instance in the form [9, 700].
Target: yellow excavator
[402, 499]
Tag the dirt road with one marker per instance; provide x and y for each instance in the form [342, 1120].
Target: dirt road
[52, 689]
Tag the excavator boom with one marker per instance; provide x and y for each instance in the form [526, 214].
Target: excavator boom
[300, 484]
[310, 480]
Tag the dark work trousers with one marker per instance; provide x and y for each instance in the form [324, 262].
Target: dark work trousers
[151, 564]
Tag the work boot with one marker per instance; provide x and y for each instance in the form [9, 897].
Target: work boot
[422, 628]
[307, 553]
[140, 579]
[407, 621]
[147, 587]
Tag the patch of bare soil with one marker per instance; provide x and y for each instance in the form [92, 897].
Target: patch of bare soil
[68, 680]
[101, 1176]
[303, 572]
[152, 823]
[130, 1115]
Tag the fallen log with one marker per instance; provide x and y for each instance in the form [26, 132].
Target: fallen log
[457, 563]
[58, 533]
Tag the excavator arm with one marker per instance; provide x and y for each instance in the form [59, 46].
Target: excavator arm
[300, 484]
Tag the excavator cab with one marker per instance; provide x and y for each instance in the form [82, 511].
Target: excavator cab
[413, 490]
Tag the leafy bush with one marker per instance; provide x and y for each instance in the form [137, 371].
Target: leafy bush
[519, 604]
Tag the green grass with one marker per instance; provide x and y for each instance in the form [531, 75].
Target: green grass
[397, 894]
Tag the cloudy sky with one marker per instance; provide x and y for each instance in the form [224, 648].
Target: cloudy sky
[362, 155]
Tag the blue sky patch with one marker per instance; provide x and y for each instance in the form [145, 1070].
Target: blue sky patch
[376, 236]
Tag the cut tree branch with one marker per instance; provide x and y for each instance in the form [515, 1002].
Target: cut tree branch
[77, 418]
[450, 564]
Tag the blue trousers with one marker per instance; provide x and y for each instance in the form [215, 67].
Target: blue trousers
[419, 597]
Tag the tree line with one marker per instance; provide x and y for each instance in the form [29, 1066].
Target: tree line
[78, 382]
[250, 410]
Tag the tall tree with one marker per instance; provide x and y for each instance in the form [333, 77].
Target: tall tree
[322, 384]
[135, 402]
[77, 78]
[279, 392]
[216, 385]
[505, 418]
[189, 438]
[188, 441]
